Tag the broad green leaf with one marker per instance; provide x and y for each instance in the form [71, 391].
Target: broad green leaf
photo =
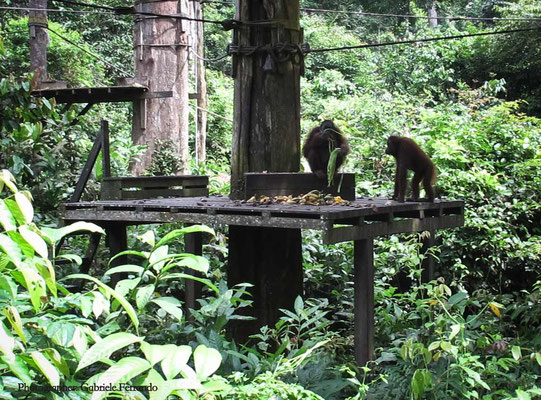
[7, 343]
[331, 166]
[79, 340]
[181, 232]
[34, 240]
[516, 352]
[26, 249]
[299, 305]
[7, 178]
[194, 278]
[61, 332]
[142, 254]
[446, 346]
[59, 361]
[35, 286]
[157, 257]
[70, 257]
[125, 268]
[107, 346]
[538, 358]
[123, 302]
[25, 206]
[11, 249]
[174, 362]
[144, 294]
[45, 268]
[197, 263]
[522, 395]
[457, 298]
[99, 304]
[19, 367]
[47, 368]
[6, 218]
[53, 235]
[122, 371]
[155, 353]
[433, 346]
[14, 319]
[170, 305]
[8, 284]
[125, 285]
[15, 211]
[455, 329]
[176, 387]
[148, 238]
[206, 361]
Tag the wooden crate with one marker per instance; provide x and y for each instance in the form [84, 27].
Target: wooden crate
[286, 183]
[151, 187]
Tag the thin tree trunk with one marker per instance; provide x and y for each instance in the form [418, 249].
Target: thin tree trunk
[432, 14]
[201, 85]
[161, 63]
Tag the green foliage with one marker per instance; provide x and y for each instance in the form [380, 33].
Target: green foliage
[64, 61]
[164, 160]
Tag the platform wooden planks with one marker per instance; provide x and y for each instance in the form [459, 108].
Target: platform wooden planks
[361, 219]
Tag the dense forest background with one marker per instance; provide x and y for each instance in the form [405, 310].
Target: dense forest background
[473, 104]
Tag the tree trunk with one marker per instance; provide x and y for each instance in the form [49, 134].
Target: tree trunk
[201, 85]
[266, 129]
[161, 63]
[39, 39]
[432, 14]
[266, 137]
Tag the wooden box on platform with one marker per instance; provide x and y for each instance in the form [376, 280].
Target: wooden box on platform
[151, 187]
[286, 183]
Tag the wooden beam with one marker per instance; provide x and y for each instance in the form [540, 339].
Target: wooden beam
[343, 234]
[193, 243]
[363, 282]
[87, 169]
[106, 153]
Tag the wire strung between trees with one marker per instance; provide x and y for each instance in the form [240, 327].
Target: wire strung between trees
[207, 59]
[226, 24]
[412, 41]
[449, 18]
[88, 52]
[54, 10]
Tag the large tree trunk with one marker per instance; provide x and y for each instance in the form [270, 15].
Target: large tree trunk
[39, 39]
[161, 63]
[266, 130]
[266, 137]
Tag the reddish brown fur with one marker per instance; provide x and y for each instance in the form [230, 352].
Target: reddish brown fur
[409, 156]
[318, 145]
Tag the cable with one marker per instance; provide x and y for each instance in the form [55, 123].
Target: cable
[452, 18]
[54, 10]
[363, 46]
[226, 24]
[213, 113]
[208, 59]
[88, 52]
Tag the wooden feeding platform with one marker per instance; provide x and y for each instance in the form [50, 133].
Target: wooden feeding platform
[264, 238]
[360, 219]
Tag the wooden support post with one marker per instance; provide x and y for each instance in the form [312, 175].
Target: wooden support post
[193, 243]
[117, 241]
[364, 300]
[271, 260]
[428, 262]
[105, 149]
